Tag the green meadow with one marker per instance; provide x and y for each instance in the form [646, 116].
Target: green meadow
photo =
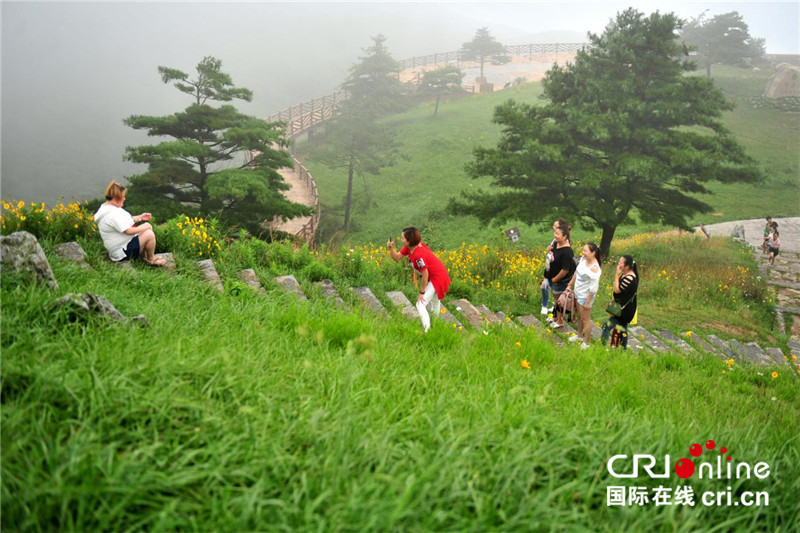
[236, 411]
[417, 189]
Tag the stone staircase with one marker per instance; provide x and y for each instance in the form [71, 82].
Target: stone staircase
[463, 314]
[784, 277]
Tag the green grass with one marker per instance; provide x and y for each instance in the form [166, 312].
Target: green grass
[416, 191]
[235, 411]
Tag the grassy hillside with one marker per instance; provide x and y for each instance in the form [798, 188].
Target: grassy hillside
[416, 191]
[236, 411]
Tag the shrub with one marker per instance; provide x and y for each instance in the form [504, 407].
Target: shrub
[316, 271]
[194, 237]
[62, 223]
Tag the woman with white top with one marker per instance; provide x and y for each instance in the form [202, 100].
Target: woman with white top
[586, 283]
[121, 235]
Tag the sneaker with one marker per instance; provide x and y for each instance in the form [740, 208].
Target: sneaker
[574, 339]
[584, 346]
[544, 310]
[556, 325]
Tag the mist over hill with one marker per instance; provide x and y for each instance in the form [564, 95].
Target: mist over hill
[71, 72]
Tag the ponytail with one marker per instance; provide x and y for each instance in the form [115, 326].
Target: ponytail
[630, 263]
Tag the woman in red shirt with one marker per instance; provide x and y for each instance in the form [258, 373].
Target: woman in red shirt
[435, 280]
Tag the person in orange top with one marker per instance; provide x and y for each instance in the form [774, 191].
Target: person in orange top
[434, 277]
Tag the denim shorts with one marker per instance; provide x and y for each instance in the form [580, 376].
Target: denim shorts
[582, 300]
[559, 286]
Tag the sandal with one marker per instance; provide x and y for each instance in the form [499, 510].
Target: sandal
[157, 262]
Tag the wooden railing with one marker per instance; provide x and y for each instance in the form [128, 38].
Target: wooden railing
[518, 50]
[309, 230]
[302, 117]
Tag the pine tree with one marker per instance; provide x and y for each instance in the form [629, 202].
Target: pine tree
[482, 47]
[197, 170]
[440, 82]
[623, 133]
[356, 140]
[722, 39]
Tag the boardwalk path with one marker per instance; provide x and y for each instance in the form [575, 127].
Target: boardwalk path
[299, 193]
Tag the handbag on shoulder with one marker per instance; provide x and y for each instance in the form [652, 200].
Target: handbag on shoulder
[615, 309]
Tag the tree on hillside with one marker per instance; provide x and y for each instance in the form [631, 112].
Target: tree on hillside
[482, 47]
[722, 39]
[361, 147]
[355, 140]
[440, 82]
[623, 132]
[373, 85]
[195, 170]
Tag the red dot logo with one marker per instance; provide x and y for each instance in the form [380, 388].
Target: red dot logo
[695, 450]
[710, 444]
[684, 468]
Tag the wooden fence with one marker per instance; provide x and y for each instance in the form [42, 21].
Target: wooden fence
[445, 58]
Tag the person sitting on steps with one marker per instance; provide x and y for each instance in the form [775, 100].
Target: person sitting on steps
[121, 236]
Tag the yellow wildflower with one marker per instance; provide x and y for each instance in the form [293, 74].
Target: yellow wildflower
[525, 364]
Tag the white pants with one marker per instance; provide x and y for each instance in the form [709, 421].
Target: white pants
[430, 301]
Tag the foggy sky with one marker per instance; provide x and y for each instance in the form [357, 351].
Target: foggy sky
[71, 72]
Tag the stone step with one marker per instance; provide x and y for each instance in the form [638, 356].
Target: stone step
[647, 338]
[776, 355]
[745, 352]
[72, 251]
[759, 352]
[791, 310]
[676, 341]
[702, 344]
[330, 293]
[170, 265]
[504, 319]
[529, 321]
[401, 302]
[448, 317]
[209, 272]
[725, 350]
[471, 315]
[289, 284]
[248, 276]
[786, 284]
[794, 345]
[369, 299]
[488, 316]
